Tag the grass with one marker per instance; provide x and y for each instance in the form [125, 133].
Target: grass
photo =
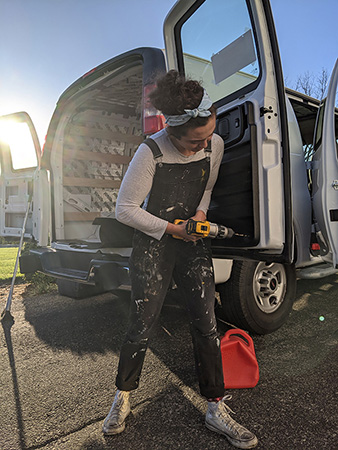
[41, 284]
[7, 264]
[38, 282]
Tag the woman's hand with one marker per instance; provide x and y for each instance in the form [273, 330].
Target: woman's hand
[200, 216]
[180, 231]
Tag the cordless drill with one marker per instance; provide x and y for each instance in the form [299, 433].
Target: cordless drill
[206, 229]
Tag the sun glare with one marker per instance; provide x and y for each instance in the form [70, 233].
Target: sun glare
[20, 143]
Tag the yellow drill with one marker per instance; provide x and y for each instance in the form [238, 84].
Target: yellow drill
[206, 229]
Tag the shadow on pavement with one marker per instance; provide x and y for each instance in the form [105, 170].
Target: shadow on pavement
[91, 325]
[7, 323]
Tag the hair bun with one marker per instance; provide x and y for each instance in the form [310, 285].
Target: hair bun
[174, 93]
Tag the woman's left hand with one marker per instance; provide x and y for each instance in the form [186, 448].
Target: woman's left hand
[199, 216]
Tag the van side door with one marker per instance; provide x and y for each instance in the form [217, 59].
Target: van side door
[231, 46]
[325, 173]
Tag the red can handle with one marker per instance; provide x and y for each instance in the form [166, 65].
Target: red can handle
[243, 335]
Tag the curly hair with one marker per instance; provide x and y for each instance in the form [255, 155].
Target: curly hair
[173, 94]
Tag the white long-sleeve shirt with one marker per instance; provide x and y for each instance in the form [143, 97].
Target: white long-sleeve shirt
[138, 180]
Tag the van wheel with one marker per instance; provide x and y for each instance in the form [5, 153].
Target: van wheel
[76, 290]
[259, 296]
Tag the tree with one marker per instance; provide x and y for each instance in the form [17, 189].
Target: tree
[313, 85]
[322, 81]
[305, 83]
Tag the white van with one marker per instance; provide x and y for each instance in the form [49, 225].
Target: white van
[286, 207]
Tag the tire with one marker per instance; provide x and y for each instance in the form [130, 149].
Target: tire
[76, 290]
[259, 296]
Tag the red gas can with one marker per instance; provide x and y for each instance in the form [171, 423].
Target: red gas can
[240, 367]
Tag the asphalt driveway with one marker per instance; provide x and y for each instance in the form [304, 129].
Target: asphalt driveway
[58, 365]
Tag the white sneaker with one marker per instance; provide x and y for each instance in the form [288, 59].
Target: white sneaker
[218, 419]
[114, 423]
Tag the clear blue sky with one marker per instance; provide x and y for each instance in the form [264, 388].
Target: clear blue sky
[45, 45]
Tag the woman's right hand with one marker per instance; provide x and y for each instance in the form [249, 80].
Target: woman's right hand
[180, 231]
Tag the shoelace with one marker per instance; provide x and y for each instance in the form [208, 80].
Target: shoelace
[232, 424]
[224, 399]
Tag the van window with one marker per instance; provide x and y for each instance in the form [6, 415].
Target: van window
[218, 47]
[19, 140]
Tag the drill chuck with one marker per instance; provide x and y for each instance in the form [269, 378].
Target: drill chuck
[220, 231]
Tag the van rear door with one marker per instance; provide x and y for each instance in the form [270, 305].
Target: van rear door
[20, 156]
[325, 173]
[99, 122]
[231, 46]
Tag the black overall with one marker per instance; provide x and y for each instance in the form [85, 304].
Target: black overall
[176, 193]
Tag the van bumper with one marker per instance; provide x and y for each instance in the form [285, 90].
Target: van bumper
[107, 272]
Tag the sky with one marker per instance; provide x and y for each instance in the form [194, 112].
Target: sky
[45, 45]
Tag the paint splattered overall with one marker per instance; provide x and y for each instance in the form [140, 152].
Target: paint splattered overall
[176, 193]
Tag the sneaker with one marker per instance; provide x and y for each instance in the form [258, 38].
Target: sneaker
[218, 419]
[115, 421]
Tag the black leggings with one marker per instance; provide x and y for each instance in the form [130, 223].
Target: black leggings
[152, 265]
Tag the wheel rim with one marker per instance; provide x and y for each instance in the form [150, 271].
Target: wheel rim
[269, 286]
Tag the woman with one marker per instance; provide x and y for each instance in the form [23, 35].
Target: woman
[172, 176]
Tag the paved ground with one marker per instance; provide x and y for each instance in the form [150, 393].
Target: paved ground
[58, 364]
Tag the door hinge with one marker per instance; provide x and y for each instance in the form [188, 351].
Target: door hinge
[264, 110]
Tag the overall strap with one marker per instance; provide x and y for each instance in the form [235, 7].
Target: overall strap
[157, 152]
[207, 150]
[153, 147]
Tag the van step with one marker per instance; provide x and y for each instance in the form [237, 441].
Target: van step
[315, 272]
[71, 274]
[106, 271]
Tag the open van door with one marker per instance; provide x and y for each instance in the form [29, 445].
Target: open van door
[20, 179]
[99, 122]
[325, 173]
[231, 46]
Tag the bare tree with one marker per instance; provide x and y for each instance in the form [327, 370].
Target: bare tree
[312, 85]
[306, 83]
[322, 81]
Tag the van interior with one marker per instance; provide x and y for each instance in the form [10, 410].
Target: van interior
[99, 138]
